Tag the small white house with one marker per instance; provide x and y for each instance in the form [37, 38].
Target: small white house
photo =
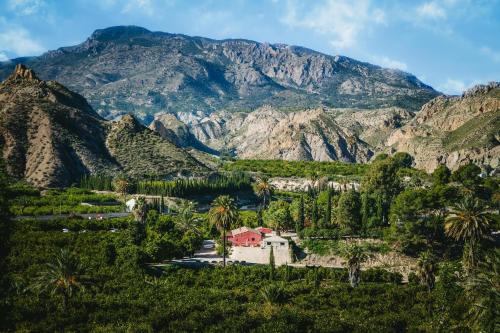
[130, 205]
[276, 242]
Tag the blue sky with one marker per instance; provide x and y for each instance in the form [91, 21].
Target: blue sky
[449, 44]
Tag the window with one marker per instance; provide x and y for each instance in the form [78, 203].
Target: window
[268, 243]
[282, 244]
[253, 239]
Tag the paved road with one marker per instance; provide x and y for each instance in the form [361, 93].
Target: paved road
[85, 216]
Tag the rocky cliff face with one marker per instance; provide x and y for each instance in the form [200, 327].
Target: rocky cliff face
[51, 136]
[267, 133]
[131, 69]
[454, 130]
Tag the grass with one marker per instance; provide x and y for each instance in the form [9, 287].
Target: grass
[477, 132]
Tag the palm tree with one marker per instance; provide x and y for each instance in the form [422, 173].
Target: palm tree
[355, 256]
[483, 289]
[223, 214]
[140, 210]
[468, 221]
[62, 276]
[186, 219]
[273, 294]
[263, 189]
[426, 269]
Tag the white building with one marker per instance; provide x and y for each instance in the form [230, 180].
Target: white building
[130, 205]
[276, 242]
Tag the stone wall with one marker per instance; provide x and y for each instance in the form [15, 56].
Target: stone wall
[258, 255]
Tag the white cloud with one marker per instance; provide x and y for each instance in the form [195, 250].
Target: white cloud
[457, 87]
[431, 10]
[3, 56]
[453, 87]
[494, 55]
[26, 7]
[146, 6]
[18, 41]
[342, 20]
[389, 63]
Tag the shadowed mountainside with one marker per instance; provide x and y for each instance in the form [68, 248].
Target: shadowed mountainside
[50, 136]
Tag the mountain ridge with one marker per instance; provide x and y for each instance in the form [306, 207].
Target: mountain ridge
[51, 136]
[129, 69]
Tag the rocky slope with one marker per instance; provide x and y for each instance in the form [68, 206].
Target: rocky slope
[267, 133]
[50, 136]
[130, 69]
[454, 130]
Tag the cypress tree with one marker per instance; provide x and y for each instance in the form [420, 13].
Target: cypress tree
[314, 214]
[302, 217]
[272, 272]
[328, 215]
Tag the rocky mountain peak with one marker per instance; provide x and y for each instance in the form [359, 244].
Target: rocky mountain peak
[129, 123]
[161, 72]
[481, 89]
[118, 32]
[23, 72]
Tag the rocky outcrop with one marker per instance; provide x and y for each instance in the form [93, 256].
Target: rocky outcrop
[51, 136]
[132, 70]
[267, 133]
[454, 130]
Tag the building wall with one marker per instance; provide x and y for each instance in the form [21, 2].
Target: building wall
[245, 239]
[259, 255]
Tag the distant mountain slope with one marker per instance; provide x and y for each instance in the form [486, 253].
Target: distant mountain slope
[267, 133]
[50, 136]
[454, 130]
[130, 69]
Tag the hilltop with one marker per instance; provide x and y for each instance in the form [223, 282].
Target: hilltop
[51, 136]
[454, 130]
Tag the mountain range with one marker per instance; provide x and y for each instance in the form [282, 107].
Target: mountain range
[130, 69]
[252, 100]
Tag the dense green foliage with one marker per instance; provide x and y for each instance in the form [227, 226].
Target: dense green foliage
[306, 169]
[103, 279]
[215, 184]
[29, 201]
[121, 295]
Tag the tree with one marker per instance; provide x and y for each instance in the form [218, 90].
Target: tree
[185, 219]
[468, 221]
[121, 185]
[348, 211]
[355, 256]
[62, 276]
[382, 183]
[301, 217]
[403, 160]
[140, 210]
[278, 216]
[263, 189]
[328, 212]
[483, 289]
[5, 228]
[273, 294]
[314, 214]
[426, 270]
[467, 175]
[223, 214]
[441, 175]
[272, 266]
